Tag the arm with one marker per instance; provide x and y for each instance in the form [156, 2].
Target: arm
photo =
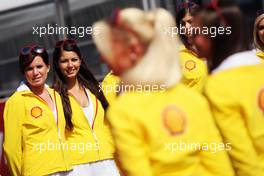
[109, 86]
[13, 135]
[131, 148]
[214, 156]
[229, 118]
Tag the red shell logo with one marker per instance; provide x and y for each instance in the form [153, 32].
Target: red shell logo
[174, 120]
[36, 112]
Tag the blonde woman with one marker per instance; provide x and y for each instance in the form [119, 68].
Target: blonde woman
[258, 35]
[155, 112]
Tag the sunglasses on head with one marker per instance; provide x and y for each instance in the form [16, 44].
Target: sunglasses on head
[113, 20]
[186, 5]
[214, 6]
[260, 12]
[66, 41]
[32, 48]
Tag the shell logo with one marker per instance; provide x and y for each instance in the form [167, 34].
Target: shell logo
[261, 99]
[36, 112]
[190, 65]
[174, 120]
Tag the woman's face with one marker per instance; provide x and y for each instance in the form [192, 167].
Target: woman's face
[202, 42]
[261, 31]
[37, 72]
[187, 23]
[69, 64]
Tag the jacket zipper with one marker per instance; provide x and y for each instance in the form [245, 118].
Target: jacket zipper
[91, 128]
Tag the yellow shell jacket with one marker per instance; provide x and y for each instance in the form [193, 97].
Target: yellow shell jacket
[167, 133]
[110, 86]
[194, 69]
[236, 95]
[89, 144]
[260, 54]
[32, 137]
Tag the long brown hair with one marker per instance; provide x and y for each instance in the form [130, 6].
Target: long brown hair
[223, 14]
[84, 76]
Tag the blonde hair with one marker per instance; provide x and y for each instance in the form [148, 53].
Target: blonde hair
[257, 42]
[160, 64]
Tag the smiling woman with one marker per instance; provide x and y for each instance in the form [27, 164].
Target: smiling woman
[33, 114]
[84, 108]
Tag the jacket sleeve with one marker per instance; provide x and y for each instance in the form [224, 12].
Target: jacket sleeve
[13, 114]
[214, 156]
[229, 118]
[109, 87]
[131, 150]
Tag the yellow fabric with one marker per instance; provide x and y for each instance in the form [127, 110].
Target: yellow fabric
[91, 144]
[238, 108]
[260, 54]
[194, 69]
[146, 126]
[110, 86]
[31, 135]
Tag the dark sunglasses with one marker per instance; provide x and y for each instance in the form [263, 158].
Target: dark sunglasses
[32, 48]
[66, 41]
[260, 12]
[113, 20]
[186, 5]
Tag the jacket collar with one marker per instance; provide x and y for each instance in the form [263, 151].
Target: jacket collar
[244, 58]
[23, 87]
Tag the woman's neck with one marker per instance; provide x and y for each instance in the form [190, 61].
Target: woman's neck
[73, 85]
[37, 90]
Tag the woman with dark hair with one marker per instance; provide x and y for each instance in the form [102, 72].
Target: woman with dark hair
[194, 68]
[33, 121]
[84, 109]
[258, 35]
[235, 88]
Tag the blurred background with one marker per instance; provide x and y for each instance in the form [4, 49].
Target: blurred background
[18, 17]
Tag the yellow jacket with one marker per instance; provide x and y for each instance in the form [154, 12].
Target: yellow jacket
[237, 98]
[194, 69]
[110, 86]
[32, 137]
[260, 54]
[89, 144]
[149, 129]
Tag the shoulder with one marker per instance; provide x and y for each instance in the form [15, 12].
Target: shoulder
[190, 62]
[110, 78]
[15, 97]
[190, 96]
